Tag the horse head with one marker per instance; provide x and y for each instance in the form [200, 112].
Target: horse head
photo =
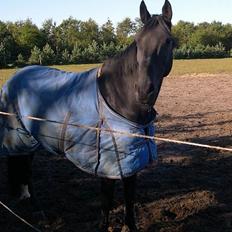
[130, 82]
[154, 44]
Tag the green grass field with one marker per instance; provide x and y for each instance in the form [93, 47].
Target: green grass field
[207, 66]
[5, 74]
[180, 67]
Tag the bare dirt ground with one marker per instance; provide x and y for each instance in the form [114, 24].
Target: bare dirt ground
[190, 190]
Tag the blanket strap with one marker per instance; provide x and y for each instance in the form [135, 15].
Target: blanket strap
[116, 151]
[103, 119]
[98, 155]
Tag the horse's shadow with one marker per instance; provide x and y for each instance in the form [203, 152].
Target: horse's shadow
[191, 187]
[189, 190]
[197, 123]
[69, 197]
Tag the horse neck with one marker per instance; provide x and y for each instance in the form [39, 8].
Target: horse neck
[117, 85]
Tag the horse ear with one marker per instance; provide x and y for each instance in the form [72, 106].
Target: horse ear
[167, 10]
[144, 14]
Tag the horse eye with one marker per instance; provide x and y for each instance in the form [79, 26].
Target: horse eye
[172, 42]
[169, 41]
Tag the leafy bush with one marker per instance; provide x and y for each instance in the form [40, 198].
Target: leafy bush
[201, 52]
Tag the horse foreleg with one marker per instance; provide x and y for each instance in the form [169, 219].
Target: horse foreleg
[107, 192]
[19, 176]
[20, 182]
[129, 195]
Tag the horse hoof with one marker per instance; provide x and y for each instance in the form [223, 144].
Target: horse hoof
[25, 194]
[41, 219]
[126, 228]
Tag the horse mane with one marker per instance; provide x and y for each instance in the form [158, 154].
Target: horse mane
[124, 62]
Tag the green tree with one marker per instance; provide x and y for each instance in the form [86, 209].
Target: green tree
[66, 58]
[91, 53]
[76, 55]
[2, 55]
[20, 60]
[48, 55]
[183, 32]
[89, 32]
[27, 35]
[67, 34]
[36, 56]
[107, 34]
[207, 34]
[84, 41]
[125, 30]
[8, 45]
[107, 51]
[226, 36]
[49, 32]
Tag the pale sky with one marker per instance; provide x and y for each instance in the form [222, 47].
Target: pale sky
[100, 10]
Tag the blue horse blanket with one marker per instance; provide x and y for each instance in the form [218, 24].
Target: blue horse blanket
[71, 104]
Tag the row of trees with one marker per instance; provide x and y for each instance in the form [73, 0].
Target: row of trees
[93, 53]
[71, 41]
[75, 41]
[205, 40]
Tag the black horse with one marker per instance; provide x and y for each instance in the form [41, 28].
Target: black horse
[129, 83]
